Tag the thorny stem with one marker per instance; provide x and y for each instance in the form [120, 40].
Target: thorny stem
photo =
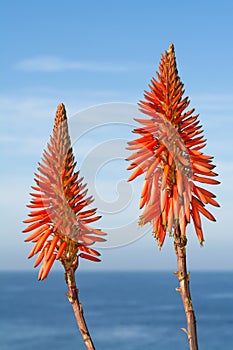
[76, 305]
[184, 289]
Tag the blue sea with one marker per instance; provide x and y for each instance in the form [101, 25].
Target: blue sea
[124, 310]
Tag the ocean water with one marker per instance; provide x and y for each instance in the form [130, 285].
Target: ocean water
[124, 310]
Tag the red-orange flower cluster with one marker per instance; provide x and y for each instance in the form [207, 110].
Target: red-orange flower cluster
[169, 154]
[58, 219]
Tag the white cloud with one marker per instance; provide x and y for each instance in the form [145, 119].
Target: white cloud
[57, 64]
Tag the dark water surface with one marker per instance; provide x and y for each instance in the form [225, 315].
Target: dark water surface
[124, 310]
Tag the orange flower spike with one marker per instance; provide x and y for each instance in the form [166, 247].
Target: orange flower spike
[176, 157]
[163, 199]
[86, 213]
[61, 250]
[179, 182]
[39, 258]
[205, 180]
[152, 168]
[165, 213]
[161, 236]
[165, 176]
[40, 243]
[40, 272]
[143, 200]
[145, 188]
[199, 234]
[174, 153]
[37, 233]
[87, 221]
[89, 257]
[186, 206]
[156, 226]
[48, 266]
[52, 247]
[60, 198]
[175, 202]
[182, 221]
[213, 202]
[32, 227]
[90, 251]
[199, 194]
[154, 193]
[136, 173]
[170, 217]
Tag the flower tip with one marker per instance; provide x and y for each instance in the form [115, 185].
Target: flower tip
[201, 242]
[160, 245]
[60, 114]
[31, 254]
[41, 278]
[170, 48]
[61, 107]
[141, 221]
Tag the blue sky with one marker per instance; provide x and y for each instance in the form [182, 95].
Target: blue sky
[87, 53]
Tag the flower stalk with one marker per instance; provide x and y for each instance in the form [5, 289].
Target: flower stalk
[59, 218]
[184, 289]
[169, 155]
[73, 298]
